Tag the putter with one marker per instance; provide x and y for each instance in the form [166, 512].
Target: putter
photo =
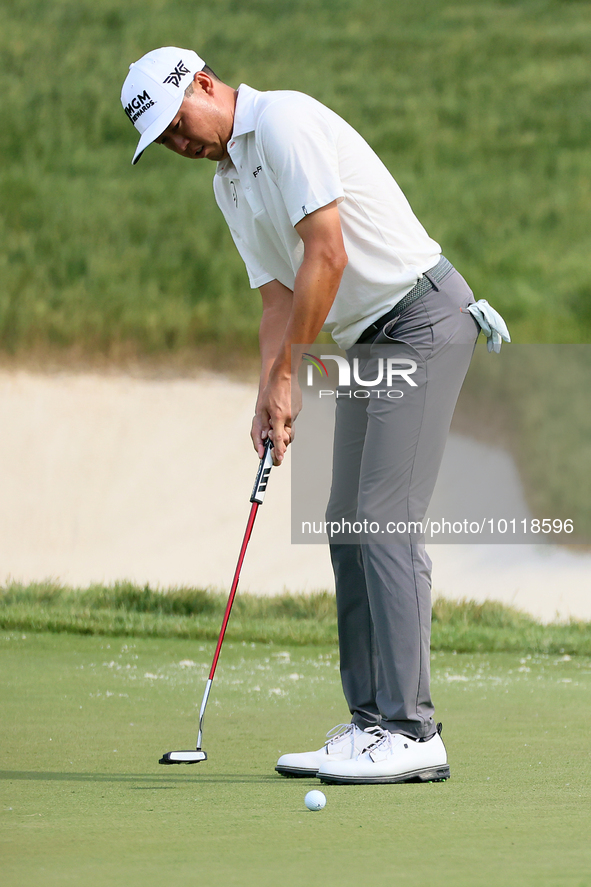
[194, 756]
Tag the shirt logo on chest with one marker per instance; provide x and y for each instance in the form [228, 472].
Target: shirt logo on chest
[256, 171]
[234, 193]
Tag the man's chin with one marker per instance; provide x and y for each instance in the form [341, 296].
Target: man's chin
[209, 153]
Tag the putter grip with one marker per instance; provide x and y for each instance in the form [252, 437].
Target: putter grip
[260, 484]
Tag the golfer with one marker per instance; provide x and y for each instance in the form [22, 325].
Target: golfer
[330, 241]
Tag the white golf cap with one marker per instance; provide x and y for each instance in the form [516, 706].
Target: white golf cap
[154, 88]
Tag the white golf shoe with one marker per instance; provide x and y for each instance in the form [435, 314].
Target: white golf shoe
[343, 742]
[392, 757]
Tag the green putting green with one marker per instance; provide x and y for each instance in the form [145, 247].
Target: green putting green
[84, 801]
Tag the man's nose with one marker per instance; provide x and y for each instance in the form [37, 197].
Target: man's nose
[180, 141]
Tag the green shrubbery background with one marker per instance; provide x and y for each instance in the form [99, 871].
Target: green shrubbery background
[481, 110]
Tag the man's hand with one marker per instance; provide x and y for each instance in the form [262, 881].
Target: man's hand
[277, 409]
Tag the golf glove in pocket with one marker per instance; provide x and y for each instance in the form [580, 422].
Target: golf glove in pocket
[491, 323]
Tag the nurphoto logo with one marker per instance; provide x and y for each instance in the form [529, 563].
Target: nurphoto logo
[385, 370]
[314, 362]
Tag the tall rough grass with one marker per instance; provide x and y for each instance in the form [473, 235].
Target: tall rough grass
[125, 609]
[480, 110]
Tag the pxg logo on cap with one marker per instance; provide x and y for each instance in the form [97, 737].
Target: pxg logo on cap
[175, 76]
[154, 88]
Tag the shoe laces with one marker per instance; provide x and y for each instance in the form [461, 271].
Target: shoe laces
[339, 732]
[377, 737]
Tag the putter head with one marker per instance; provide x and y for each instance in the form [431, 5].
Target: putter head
[193, 756]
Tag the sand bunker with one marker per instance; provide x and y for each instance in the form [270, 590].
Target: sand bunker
[108, 477]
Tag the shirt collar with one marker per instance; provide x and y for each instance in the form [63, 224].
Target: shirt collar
[244, 122]
[244, 114]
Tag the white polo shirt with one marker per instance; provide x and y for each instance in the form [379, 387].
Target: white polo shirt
[290, 155]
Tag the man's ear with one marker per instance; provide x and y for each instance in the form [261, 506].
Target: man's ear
[203, 81]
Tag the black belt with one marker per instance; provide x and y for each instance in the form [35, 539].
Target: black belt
[428, 281]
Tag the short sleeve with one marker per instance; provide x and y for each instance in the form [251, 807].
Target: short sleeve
[298, 145]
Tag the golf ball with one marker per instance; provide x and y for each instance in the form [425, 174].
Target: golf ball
[315, 800]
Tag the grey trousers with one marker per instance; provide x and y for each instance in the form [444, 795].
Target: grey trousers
[387, 454]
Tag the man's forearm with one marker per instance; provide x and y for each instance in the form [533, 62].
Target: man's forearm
[277, 307]
[296, 318]
[315, 288]
[316, 285]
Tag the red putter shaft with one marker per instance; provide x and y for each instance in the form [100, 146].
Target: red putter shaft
[256, 498]
[193, 756]
[248, 531]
